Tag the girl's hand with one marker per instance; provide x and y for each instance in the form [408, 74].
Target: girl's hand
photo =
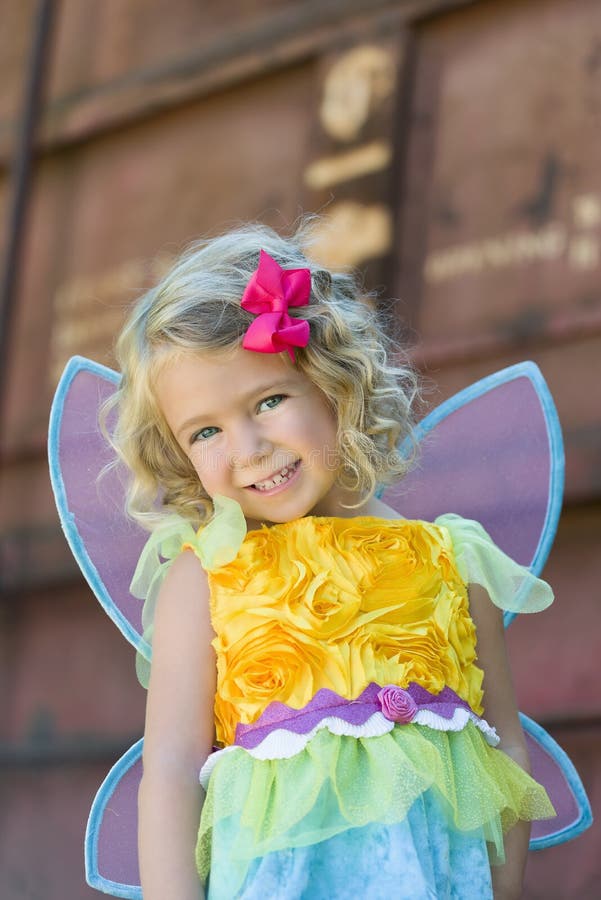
[507, 880]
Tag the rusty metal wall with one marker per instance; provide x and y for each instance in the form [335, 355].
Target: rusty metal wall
[454, 147]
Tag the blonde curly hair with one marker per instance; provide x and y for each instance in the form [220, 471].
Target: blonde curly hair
[196, 306]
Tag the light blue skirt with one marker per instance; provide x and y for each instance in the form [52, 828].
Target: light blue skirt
[420, 858]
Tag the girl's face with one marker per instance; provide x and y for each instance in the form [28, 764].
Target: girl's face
[256, 429]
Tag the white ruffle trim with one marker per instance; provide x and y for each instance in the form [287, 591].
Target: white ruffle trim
[458, 722]
[207, 770]
[283, 744]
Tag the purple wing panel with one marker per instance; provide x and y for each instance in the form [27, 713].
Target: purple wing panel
[111, 837]
[90, 497]
[493, 453]
[552, 767]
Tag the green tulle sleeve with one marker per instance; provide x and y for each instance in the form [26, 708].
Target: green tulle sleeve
[510, 586]
[215, 545]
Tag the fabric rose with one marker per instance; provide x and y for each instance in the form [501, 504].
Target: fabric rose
[454, 620]
[324, 596]
[401, 559]
[397, 704]
[270, 662]
[390, 652]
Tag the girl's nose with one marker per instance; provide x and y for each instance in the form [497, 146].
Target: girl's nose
[249, 446]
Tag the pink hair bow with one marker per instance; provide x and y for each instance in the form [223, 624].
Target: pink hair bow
[269, 293]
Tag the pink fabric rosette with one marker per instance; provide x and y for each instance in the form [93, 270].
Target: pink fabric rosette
[397, 704]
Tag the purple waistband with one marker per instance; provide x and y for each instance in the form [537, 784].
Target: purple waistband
[395, 703]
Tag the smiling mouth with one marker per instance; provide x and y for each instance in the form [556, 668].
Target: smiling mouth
[281, 477]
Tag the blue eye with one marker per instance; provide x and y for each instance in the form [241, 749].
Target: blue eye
[271, 402]
[204, 434]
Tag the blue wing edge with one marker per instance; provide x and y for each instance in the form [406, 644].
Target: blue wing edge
[101, 801]
[585, 816]
[76, 365]
[531, 371]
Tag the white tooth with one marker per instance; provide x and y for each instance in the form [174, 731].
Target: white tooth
[281, 476]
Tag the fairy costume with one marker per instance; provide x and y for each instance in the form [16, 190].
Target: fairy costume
[371, 621]
[348, 705]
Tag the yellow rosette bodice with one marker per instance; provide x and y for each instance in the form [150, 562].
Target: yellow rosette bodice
[338, 603]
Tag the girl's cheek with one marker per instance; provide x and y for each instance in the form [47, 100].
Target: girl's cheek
[200, 462]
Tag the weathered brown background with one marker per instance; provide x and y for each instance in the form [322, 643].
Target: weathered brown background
[455, 147]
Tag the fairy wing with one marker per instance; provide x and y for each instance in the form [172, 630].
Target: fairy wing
[493, 452]
[111, 845]
[552, 767]
[107, 545]
[89, 496]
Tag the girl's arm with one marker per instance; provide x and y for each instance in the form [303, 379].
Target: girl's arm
[500, 709]
[178, 734]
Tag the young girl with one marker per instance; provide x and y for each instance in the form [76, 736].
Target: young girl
[345, 661]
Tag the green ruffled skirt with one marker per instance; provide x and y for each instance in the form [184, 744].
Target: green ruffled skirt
[260, 815]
